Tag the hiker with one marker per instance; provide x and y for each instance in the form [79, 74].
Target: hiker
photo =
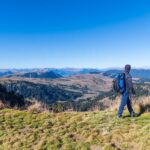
[127, 93]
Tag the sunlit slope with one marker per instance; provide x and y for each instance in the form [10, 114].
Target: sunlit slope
[72, 130]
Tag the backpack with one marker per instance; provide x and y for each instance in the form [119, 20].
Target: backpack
[119, 83]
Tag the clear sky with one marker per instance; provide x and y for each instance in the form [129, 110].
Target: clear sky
[74, 33]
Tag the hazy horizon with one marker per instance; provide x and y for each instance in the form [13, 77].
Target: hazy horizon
[107, 68]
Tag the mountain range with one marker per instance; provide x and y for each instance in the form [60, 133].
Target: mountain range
[38, 74]
[136, 73]
[66, 72]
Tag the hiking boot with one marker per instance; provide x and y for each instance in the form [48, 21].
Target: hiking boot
[119, 116]
[133, 114]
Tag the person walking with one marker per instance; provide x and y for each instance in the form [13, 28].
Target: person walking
[127, 94]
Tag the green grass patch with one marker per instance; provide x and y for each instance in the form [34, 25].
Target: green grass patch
[73, 131]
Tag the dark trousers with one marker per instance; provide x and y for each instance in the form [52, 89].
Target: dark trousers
[125, 100]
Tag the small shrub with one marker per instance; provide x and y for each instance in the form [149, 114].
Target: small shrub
[2, 106]
[37, 107]
[144, 105]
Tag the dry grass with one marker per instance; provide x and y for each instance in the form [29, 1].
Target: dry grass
[37, 107]
[2, 105]
[100, 130]
[143, 105]
[7, 105]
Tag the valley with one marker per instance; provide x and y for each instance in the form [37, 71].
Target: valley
[82, 90]
[68, 88]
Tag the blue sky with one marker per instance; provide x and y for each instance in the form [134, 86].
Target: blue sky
[74, 33]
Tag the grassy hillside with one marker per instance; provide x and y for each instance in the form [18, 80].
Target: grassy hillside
[73, 130]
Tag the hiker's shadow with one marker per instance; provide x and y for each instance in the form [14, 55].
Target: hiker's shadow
[128, 116]
[143, 109]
